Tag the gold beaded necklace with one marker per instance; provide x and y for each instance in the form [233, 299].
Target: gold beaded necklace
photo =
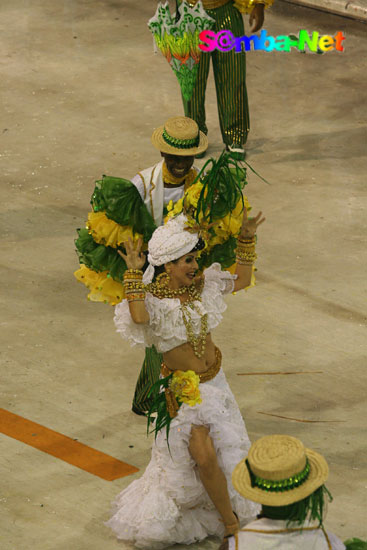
[198, 342]
[161, 290]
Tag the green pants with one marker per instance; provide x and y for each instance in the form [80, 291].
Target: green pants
[230, 82]
[149, 374]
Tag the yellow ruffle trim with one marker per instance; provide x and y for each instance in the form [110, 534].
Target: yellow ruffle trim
[246, 6]
[102, 288]
[107, 232]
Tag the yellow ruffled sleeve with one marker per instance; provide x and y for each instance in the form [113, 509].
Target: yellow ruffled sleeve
[102, 287]
[107, 232]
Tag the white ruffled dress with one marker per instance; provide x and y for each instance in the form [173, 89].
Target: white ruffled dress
[169, 504]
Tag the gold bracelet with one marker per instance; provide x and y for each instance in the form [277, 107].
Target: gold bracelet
[136, 297]
[247, 240]
[134, 286]
[246, 249]
[246, 256]
[240, 262]
[133, 274]
[133, 283]
[250, 256]
[243, 249]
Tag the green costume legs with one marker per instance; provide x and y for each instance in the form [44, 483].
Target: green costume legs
[149, 374]
[230, 82]
[195, 107]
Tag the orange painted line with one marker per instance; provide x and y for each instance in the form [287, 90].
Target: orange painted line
[63, 447]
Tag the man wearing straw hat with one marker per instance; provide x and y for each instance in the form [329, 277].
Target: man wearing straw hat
[178, 141]
[287, 479]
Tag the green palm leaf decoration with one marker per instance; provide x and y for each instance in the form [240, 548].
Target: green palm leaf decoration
[178, 40]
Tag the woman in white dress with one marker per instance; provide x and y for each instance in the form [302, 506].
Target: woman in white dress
[186, 493]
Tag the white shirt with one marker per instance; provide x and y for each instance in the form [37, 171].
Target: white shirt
[149, 183]
[263, 534]
[166, 328]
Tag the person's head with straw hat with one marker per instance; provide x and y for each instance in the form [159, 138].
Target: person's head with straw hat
[287, 479]
[179, 140]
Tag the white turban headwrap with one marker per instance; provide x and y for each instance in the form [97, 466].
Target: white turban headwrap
[169, 242]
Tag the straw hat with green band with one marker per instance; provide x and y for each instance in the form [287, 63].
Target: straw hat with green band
[180, 136]
[279, 471]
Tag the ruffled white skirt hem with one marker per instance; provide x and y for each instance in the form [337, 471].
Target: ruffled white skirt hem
[169, 504]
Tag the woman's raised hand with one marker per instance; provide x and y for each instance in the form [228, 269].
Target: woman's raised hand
[249, 226]
[134, 258]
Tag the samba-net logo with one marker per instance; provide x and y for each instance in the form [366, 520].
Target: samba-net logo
[225, 41]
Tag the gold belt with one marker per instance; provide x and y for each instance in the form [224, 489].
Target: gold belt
[204, 376]
[210, 4]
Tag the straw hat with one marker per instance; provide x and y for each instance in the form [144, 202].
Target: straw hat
[180, 136]
[279, 471]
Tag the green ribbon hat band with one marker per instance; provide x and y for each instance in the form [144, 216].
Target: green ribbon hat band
[281, 485]
[181, 143]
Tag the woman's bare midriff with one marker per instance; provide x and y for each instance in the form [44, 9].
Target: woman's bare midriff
[183, 357]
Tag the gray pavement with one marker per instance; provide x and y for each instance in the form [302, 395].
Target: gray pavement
[356, 9]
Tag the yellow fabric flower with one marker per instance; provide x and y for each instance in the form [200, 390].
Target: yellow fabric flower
[192, 195]
[185, 386]
[107, 232]
[230, 225]
[174, 209]
[102, 288]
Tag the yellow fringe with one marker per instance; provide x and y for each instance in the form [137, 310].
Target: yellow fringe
[102, 288]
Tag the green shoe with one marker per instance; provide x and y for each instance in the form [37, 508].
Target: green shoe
[237, 151]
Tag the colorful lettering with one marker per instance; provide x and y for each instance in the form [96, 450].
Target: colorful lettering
[239, 40]
[311, 42]
[339, 37]
[326, 43]
[210, 38]
[282, 43]
[264, 38]
[224, 41]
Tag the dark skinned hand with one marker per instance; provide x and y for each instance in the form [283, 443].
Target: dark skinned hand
[256, 18]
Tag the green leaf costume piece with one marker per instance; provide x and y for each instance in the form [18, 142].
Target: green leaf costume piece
[121, 201]
[223, 183]
[99, 257]
[355, 544]
[222, 253]
[178, 39]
